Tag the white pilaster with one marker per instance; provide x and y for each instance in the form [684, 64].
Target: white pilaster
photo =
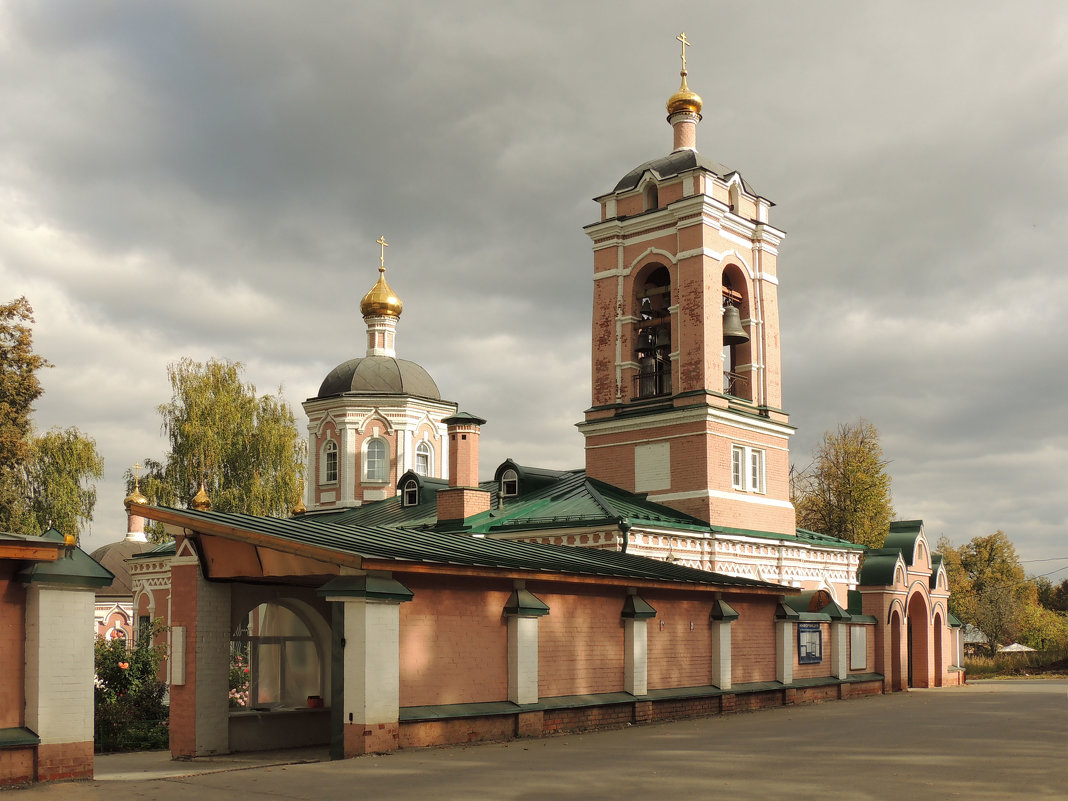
[635, 657]
[349, 477]
[721, 654]
[213, 667]
[522, 659]
[784, 651]
[372, 661]
[839, 649]
[59, 662]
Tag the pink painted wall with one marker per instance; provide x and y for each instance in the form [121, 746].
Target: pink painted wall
[580, 642]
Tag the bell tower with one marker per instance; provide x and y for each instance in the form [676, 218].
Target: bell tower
[687, 378]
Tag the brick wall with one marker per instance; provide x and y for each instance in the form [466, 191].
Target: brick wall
[580, 642]
[753, 640]
[679, 656]
[12, 648]
[16, 765]
[450, 632]
[58, 761]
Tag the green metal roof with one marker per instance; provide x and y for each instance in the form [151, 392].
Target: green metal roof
[76, 568]
[903, 535]
[420, 546]
[878, 568]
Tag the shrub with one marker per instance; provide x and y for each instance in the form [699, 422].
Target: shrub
[130, 700]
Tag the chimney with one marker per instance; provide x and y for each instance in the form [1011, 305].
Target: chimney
[463, 497]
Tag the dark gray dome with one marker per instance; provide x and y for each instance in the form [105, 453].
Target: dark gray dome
[675, 164]
[379, 375]
[113, 556]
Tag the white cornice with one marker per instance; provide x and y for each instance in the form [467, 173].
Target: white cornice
[699, 414]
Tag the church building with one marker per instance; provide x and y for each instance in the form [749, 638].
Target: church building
[413, 603]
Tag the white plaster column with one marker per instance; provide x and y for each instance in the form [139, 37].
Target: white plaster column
[523, 659]
[349, 477]
[839, 649]
[721, 654]
[212, 667]
[784, 651]
[311, 472]
[59, 663]
[635, 656]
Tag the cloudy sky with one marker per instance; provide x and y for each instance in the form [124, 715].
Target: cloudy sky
[208, 179]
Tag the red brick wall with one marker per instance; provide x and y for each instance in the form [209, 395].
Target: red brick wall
[183, 697]
[64, 761]
[753, 640]
[12, 648]
[16, 765]
[580, 642]
[677, 655]
[453, 642]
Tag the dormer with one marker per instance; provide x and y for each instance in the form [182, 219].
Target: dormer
[415, 488]
[513, 479]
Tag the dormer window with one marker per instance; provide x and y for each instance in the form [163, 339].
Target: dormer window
[651, 197]
[410, 493]
[509, 484]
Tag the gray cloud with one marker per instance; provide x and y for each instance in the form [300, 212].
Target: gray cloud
[208, 179]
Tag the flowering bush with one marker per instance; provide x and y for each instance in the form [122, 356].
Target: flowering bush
[131, 713]
[239, 675]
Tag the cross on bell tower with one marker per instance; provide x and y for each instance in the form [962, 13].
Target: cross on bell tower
[687, 397]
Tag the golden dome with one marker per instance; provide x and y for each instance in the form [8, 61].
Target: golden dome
[201, 502]
[381, 301]
[134, 497]
[684, 100]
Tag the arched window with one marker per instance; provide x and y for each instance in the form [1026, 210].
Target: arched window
[653, 345]
[424, 458]
[736, 345]
[509, 484]
[329, 471]
[376, 460]
[273, 651]
[410, 493]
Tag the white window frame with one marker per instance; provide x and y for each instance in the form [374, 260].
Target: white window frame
[748, 469]
[424, 449]
[367, 474]
[509, 483]
[410, 493]
[329, 447]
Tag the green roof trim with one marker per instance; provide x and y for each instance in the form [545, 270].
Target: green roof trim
[903, 535]
[523, 603]
[954, 621]
[636, 608]
[374, 587]
[836, 612]
[18, 737]
[785, 612]
[75, 568]
[879, 566]
[721, 610]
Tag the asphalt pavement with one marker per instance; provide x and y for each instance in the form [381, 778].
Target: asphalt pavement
[988, 740]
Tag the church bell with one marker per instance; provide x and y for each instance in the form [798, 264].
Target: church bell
[733, 333]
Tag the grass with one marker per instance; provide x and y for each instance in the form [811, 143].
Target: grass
[1045, 664]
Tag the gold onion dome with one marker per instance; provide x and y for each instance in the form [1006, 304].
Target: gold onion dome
[201, 502]
[684, 100]
[135, 497]
[381, 301]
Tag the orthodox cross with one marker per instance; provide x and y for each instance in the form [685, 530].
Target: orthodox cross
[685, 43]
[137, 475]
[382, 257]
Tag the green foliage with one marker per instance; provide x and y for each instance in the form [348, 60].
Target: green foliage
[19, 388]
[245, 448]
[131, 714]
[240, 663]
[1050, 595]
[845, 491]
[58, 480]
[988, 586]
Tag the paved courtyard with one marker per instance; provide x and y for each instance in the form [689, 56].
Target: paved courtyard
[988, 740]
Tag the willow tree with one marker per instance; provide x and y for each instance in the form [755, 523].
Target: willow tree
[244, 447]
[845, 492]
[59, 481]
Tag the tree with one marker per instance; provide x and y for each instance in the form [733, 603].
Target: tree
[19, 388]
[845, 491]
[58, 481]
[244, 448]
[989, 589]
